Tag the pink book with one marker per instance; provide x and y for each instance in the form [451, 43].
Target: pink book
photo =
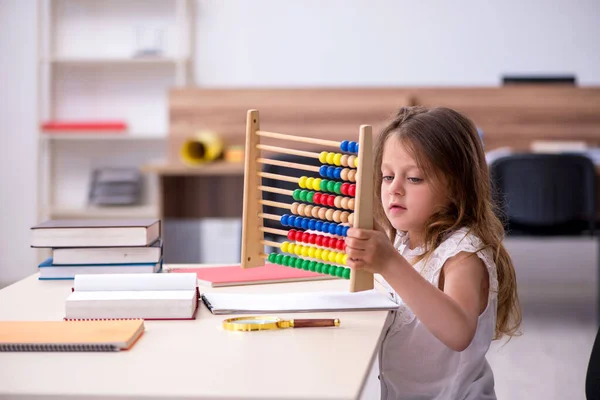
[235, 275]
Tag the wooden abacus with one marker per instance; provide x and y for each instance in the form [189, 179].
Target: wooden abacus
[327, 217]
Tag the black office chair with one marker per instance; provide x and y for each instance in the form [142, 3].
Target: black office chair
[546, 194]
[592, 379]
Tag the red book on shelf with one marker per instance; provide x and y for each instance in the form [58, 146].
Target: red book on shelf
[234, 275]
[84, 126]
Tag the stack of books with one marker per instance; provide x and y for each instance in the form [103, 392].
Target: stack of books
[128, 246]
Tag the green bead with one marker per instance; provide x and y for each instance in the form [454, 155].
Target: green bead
[346, 274]
[319, 267]
[340, 272]
[286, 261]
[325, 269]
[296, 194]
[303, 195]
[332, 270]
[338, 188]
[272, 257]
[299, 263]
[310, 197]
[279, 259]
[313, 265]
[323, 185]
[331, 186]
[305, 265]
[293, 261]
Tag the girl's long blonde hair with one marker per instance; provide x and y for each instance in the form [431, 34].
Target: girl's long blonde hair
[445, 144]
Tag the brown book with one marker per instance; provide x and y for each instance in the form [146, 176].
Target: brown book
[95, 233]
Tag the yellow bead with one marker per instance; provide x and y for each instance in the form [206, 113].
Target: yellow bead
[330, 158]
[331, 257]
[325, 255]
[337, 159]
[317, 184]
[339, 258]
[311, 252]
[323, 157]
[284, 246]
[356, 162]
[291, 247]
[298, 250]
[345, 259]
[302, 182]
[310, 182]
[318, 252]
[305, 250]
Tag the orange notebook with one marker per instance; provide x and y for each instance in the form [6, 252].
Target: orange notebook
[235, 275]
[70, 335]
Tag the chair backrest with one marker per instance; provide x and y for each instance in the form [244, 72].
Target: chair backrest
[545, 190]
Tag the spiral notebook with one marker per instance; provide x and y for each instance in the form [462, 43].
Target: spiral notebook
[69, 335]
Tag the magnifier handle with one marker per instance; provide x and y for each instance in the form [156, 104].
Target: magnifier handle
[315, 323]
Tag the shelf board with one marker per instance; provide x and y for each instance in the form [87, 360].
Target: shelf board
[112, 60]
[218, 168]
[103, 136]
[104, 212]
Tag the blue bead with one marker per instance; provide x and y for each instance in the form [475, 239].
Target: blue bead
[284, 220]
[352, 147]
[323, 171]
[298, 222]
[305, 223]
[332, 228]
[291, 220]
[339, 230]
[319, 226]
[357, 147]
[325, 228]
[311, 224]
[337, 174]
[345, 231]
[330, 172]
[344, 145]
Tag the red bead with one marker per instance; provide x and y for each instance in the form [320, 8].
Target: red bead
[319, 240]
[344, 188]
[333, 243]
[317, 198]
[291, 234]
[331, 200]
[313, 238]
[352, 190]
[305, 237]
[341, 245]
[326, 241]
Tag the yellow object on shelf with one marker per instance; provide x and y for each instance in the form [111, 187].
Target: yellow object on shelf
[234, 154]
[203, 147]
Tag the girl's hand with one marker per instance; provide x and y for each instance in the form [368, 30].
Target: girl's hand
[370, 250]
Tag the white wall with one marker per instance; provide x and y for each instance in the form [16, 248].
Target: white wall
[394, 42]
[308, 43]
[17, 132]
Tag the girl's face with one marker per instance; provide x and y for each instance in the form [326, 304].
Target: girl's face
[408, 198]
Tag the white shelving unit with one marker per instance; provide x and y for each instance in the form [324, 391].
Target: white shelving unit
[95, 65]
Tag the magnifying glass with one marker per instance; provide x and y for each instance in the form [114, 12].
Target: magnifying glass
[267, 323]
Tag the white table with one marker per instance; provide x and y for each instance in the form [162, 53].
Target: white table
[195, 359]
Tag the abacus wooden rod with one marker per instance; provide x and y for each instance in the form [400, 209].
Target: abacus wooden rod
[278, 177]
[323, 142]
[274, 231]
[275, 204]
[288, 164]
[283, 150]
[270, 216]
[270, 243]
[276, 190]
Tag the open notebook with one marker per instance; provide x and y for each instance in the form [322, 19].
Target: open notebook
[69, 335]
[244, 303]
[123, 296]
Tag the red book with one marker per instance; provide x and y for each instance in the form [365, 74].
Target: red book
[235, 275]
[84, 126]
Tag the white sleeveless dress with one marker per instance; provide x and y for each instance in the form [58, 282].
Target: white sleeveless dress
[413, 363]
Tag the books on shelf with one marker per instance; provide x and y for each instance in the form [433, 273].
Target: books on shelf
[235, 275]
[69, 335]
[95, 233]
[86, 126]
[49, 270]
[147, 296]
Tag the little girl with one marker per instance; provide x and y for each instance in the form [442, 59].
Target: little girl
[438, 246]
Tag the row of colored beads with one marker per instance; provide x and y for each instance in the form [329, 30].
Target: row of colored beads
[307, 265]
[338, 159]
[345, 174]
[319, 240]
[323, 199]
[349, 146]
[314, 252]
[323, 213]
[313, 225]
[324, 185]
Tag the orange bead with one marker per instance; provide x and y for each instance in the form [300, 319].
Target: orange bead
[344, 160]
[351, 161]
[301, 209]
[352, 175]
[294, 208]
[315, 212]
[322, 212]
[337, 202]
[337, 216]
[351, 219]
[344, 216]
[308, 210]
[344, 174]
[344, 203]
[329, 214]
[351, 204]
